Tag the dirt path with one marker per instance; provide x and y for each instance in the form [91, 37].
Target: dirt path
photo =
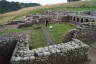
[48, 38]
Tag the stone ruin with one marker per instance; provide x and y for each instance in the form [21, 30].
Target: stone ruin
[19, 53]
[64, 53]
[86, 33]
[71, 50]
[92, 13]
[53, 16]
[7, 46]
[56, 16]
[59, 16]
[16, 47]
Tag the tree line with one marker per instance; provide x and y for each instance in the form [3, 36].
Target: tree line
[73, 0]
[6, 6]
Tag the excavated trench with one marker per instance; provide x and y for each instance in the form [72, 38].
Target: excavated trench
[6, 51]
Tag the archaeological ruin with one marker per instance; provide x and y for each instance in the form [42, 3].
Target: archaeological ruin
[74, 49]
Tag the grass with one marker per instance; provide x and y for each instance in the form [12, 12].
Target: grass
[15, 30]
[37, 39]
[59, 30]
[37, 36]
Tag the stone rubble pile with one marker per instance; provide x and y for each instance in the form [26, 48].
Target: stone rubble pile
[64, 53]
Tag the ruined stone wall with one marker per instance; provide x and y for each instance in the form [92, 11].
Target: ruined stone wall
[53, 16]
[87, 33]
[57, 16]
[91, 13]
[79, 19]
[70, 52]
[7, 45]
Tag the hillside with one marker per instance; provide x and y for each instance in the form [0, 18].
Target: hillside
[72, 6]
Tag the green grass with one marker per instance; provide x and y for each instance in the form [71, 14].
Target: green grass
[59, 30]
[15, 30]
[37, 39]
[11, 31]
[37, 36]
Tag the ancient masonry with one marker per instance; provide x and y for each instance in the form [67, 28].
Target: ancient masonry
[54, 54]
[18, 44]
[71, 51]
[86, 33]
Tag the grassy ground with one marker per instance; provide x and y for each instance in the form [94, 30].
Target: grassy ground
[37, 39]
[59, 30]
[37, 36]
[15, 30]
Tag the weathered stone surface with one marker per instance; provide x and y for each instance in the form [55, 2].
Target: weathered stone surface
[7, 45]
[22, 25]
[69, 36]
[14, 22]
[87, 33]
[73, 51]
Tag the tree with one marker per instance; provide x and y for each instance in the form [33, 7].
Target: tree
[73, 0]
[6, 6]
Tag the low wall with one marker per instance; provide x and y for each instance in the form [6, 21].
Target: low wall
[64, 53]
[87, 33]
[7, 45]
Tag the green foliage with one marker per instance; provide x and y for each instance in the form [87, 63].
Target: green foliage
[73, 0]
[6, 6]
[23, 5]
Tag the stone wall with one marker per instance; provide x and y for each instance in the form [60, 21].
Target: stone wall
[91, 13]
[64, 53]
[79, 19]
[59, 16]
[7, 45]
[70, 51]
[8, 42]
[53, 16]
[87, 33]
